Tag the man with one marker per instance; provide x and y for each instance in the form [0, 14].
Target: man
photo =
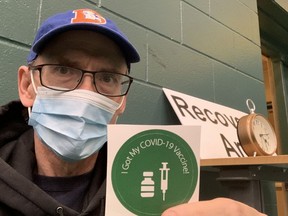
[53, 143]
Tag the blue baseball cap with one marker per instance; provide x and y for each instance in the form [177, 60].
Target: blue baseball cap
[81, 19]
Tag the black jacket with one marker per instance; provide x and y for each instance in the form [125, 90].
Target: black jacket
[18, 194]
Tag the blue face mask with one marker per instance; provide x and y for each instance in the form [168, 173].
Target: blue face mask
[73, 124]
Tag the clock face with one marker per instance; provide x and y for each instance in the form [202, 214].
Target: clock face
[264, 134]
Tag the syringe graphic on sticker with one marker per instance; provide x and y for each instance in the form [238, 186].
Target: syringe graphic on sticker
[164, 178]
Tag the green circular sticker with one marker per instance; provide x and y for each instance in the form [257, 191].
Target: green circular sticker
[154, 170]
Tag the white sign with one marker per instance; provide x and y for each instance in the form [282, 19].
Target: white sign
[151, 168]
[219, 137]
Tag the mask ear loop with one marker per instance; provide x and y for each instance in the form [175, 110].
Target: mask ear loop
[120, 104]
[33, 83]
[35, 90]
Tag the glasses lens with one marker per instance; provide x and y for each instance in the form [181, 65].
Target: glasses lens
[64, 78]
[60, 77]
[112, 84]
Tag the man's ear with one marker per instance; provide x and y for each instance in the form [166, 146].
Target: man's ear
[25, 87]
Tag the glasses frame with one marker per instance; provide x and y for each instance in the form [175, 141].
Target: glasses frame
[39, 68]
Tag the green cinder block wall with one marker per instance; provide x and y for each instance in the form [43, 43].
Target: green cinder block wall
[205, 48]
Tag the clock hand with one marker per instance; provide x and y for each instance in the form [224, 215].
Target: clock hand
[264, 134]
[265, 143]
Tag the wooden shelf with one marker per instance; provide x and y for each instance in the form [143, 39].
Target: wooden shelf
[259, 160]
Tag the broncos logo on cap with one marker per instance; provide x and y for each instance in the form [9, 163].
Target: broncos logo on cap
[87, 16]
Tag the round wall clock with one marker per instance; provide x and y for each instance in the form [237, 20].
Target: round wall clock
[256, 135]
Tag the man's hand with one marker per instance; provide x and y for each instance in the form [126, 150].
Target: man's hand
[215, 207]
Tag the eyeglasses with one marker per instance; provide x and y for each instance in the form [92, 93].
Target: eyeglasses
[62, 78]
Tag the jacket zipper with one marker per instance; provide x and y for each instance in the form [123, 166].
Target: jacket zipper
[59, 211]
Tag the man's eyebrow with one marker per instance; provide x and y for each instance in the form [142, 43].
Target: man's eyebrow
[67, 61]
[77, 64]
